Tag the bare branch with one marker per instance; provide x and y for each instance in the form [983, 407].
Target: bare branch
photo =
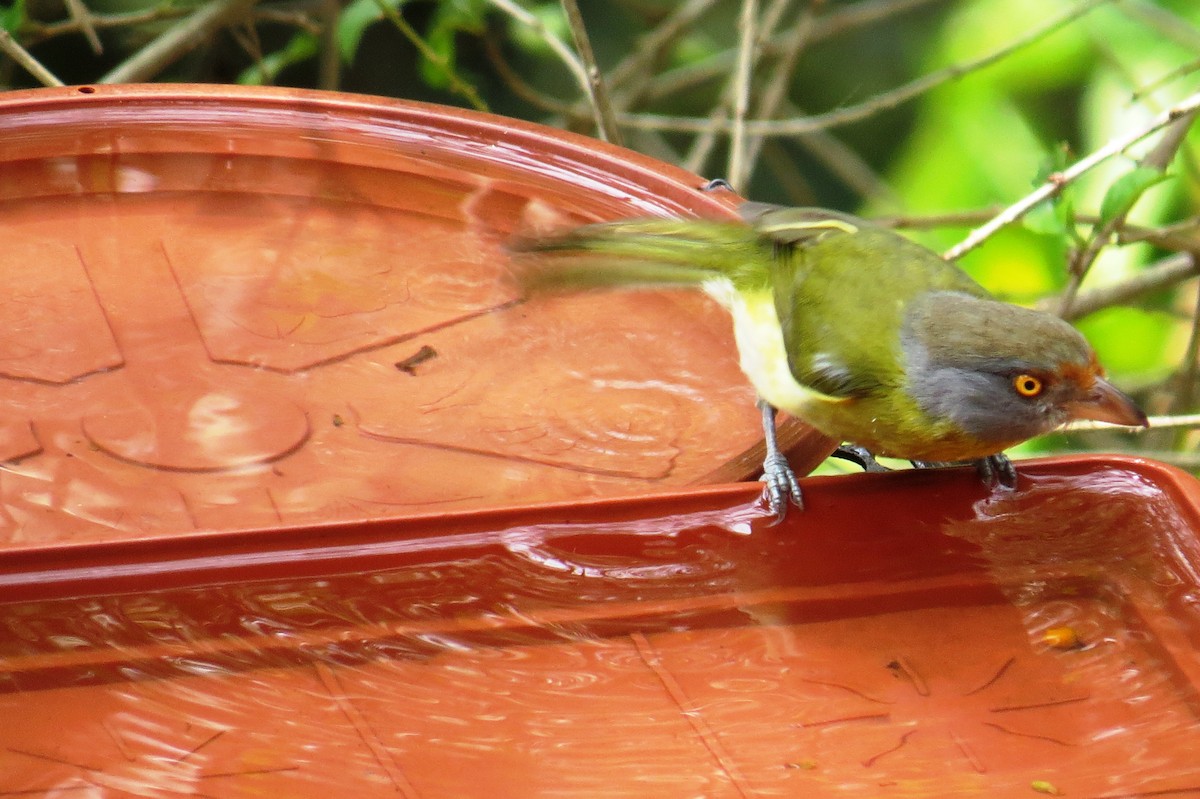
[737, 171]
[881, 102]
[602, 109]
[10, 47]
[82, 17]
[1158, 159]
[453, 82]
[776, 89]
[1058, 181]
[632, 73]
[181, 38]
[1164, 274]
[1172, 421]
[329, 64]
[556, 45]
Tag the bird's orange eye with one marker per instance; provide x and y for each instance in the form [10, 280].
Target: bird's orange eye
[1028, 385]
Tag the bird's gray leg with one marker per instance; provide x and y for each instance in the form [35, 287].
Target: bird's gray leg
[860, 456]
[781, 481]
[993, 470]
[716, 183]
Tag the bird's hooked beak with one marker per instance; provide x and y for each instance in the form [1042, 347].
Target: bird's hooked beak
[1106, 403]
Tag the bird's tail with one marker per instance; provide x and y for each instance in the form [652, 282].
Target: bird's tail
[639, 253]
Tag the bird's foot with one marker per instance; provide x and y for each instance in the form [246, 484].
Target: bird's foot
[993, 470]
[781, 483]
[782, 486]
[997, 470]
[861, 456]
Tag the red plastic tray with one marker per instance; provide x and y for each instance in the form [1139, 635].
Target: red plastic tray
[906, 635]
[236, 308]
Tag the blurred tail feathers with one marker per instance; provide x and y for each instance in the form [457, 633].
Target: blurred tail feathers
[651, 253]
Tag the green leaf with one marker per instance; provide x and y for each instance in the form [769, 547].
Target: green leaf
[1126, 190]
[13, 17]
[302, 47]
[450, 19]
[353, 23]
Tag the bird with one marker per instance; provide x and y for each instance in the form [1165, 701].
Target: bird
[869, 337]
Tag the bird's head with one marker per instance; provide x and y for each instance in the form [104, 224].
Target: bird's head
[1002, 373]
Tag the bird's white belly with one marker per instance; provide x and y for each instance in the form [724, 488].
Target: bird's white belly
[761, 349]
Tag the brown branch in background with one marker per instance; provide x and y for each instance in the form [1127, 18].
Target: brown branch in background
[846, 164]
[775, 92]
[177, 41]
[1168, 272]
[834, 21]
[1162, 21]
[556, 45]
[1158, 83]
[1184, 397]
[738, 172]
[1158, 159]
[454, 83]
[82, 17]
[880, 102]
[602, 109]
[630, 77]
[706, 142]
[35, 31]
[294, 19]
[245, 34]
[329, 59]
[1060, 180]
[518, 85]
[10, 47]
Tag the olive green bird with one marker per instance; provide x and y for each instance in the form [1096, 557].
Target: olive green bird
[869, 337]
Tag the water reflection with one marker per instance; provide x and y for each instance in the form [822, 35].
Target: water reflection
[923, 652]
[224, 295]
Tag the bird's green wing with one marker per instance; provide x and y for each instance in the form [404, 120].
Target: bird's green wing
[841, 288]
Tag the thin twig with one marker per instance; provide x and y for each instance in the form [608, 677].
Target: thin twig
[847, 165]
[329, 64]
[556, 45]
[1159, 158]
[520, 87]
[178, 40]
[737, 172]
[597, 89]
[1183, 399]
[835, 21]
[12, 48]
[705, 143]
[1168, 272]
[1060, 180]
[880, 102]
[453, 82]
[1164, 22]
[775, 93]
[35, 32]
[630, 76]
[80, 14]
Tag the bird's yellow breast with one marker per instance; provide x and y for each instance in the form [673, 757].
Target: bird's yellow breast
[887, 424]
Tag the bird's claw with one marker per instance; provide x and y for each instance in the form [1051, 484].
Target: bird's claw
[782, 486]
[997, 470]
[993, 470]
[860, 456]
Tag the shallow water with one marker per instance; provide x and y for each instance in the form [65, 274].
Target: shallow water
[898, 638]
[213, 311]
